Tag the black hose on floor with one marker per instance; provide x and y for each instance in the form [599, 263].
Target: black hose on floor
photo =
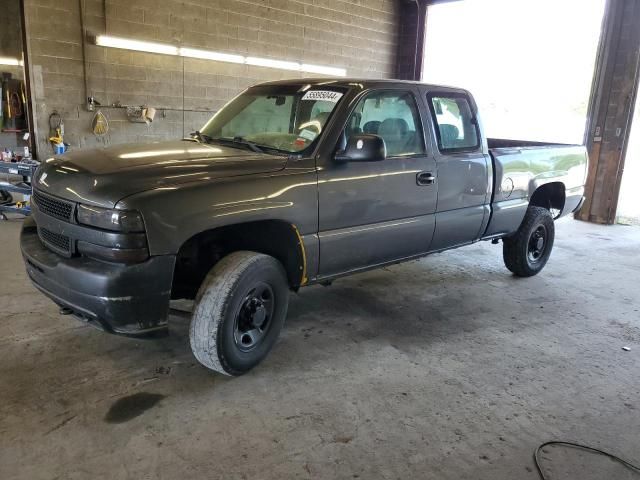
[629, 465]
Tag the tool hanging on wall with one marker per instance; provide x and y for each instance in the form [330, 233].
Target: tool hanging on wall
[142, 114]
[55, 123]
[56, 133]
[92, 103]
[100, 124]
[13, 101]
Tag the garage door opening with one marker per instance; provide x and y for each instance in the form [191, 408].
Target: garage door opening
[528, 64]
[629, 200]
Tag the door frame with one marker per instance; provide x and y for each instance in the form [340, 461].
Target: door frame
[441, 157]
[332, 143]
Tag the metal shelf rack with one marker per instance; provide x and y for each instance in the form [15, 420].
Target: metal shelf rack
[24, 169]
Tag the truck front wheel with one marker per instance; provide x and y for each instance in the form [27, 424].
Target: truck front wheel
[527, 251]
[239, 312]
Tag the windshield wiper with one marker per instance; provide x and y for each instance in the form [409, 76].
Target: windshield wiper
[201, 137]
[254, 147]
[240, 141]
[251, 145]
[236, 141]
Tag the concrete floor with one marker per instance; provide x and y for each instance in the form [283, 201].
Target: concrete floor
[444, 368]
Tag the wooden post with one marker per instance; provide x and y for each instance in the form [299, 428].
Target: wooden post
[611, 109]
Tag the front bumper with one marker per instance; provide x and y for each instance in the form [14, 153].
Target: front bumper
[124, 299]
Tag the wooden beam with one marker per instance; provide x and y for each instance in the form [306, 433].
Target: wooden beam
[412, 21]
[611, 109]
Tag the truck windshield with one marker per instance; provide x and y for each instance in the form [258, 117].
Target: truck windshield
[287, 119]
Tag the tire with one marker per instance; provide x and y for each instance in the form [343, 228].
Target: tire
[527, 251]
[239, 312]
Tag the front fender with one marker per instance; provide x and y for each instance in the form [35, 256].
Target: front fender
[172, 215]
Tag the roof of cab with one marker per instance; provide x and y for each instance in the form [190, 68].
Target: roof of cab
[351, 82]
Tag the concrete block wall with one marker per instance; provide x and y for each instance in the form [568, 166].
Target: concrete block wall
[360, 36]
[10, 31]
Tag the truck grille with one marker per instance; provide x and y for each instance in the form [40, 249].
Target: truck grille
[53, 206]
[55, 240]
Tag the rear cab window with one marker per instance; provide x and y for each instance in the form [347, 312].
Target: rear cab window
[455, 123]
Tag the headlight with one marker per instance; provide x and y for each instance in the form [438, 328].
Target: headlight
[110, 219]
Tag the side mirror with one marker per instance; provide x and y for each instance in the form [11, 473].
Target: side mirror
[363, 148]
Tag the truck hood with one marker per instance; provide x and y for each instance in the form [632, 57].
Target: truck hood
[102, 177]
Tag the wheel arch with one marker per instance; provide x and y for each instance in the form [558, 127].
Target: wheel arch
[551, 196]
[198, 254]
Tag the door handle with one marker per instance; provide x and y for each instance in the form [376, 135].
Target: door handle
[425, 178]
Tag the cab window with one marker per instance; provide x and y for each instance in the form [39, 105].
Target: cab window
[456, 126]
[392, 115]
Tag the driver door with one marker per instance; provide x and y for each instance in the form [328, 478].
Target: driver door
[372, 213]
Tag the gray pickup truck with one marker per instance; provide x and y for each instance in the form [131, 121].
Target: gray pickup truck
[292, 183]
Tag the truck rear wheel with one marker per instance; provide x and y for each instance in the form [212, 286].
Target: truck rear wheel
[527, 251]
[239, 312]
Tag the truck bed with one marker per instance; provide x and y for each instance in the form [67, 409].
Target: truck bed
[508, 143]
[521, 167]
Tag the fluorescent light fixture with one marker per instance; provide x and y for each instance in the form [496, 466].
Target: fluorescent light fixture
[335, 71]
[163, 48]
[268, 62]
[126, 44]
[209, 55]
[10, 61]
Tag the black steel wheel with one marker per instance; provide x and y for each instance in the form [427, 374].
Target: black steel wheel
[537, 244]
[240, 309]
[527, 251]
[253, 318]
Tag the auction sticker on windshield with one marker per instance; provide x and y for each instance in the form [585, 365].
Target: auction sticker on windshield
[324, 95]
